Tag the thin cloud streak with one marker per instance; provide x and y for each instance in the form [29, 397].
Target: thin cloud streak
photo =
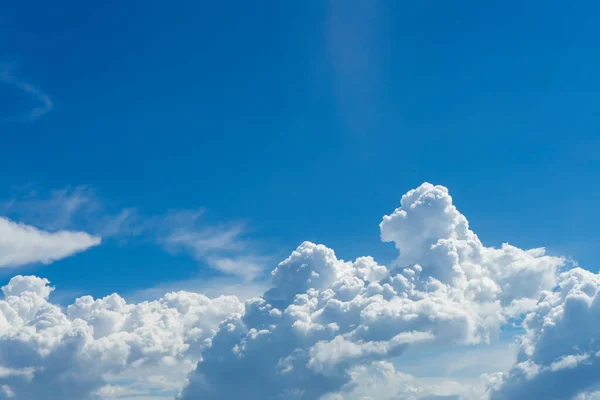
[45, 106]
[223, 247]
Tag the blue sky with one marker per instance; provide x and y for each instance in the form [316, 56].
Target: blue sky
[151, 147]
[307, 120]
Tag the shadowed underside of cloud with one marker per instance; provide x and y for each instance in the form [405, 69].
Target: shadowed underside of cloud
[22, 244]
[326, 329]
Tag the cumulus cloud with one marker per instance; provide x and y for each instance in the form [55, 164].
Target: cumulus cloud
[326, 317]
[23, 244]
[74, 353]
[428, 229]
[326, 328]
[559, 356]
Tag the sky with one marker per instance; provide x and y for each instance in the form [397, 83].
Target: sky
[151, 147]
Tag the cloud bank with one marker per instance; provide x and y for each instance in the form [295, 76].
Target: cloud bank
[72, 353]
[326, 328]
[326, 318]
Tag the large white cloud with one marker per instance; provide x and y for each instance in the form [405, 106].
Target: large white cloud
[23, 244]
[326, 329]
[429, 230]
[326, 317]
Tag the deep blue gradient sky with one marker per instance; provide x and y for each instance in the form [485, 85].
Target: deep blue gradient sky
[308, 120]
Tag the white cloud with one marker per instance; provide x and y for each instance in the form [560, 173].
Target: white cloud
[226, 285]
[325, 317]
[326, 328]
[223, 247]
[429, 230]
[22, 244]
[560, 350]
[75, 353]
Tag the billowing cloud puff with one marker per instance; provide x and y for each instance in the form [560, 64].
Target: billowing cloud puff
[429, 230]
[47, 352]
[560, 351]
[325, 317]
[327, 328]
[22, 244]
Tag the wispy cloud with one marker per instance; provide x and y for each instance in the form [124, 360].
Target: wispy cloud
[356, 37]
[44, 106]
[247, 266]
[224, 247]
[67, 208]
[46, 234]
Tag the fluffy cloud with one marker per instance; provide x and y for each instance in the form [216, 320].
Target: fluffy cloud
[22, 244]
[428, 230]
[559, 355]
[326, 328]
[73, 353]
[326, 318]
